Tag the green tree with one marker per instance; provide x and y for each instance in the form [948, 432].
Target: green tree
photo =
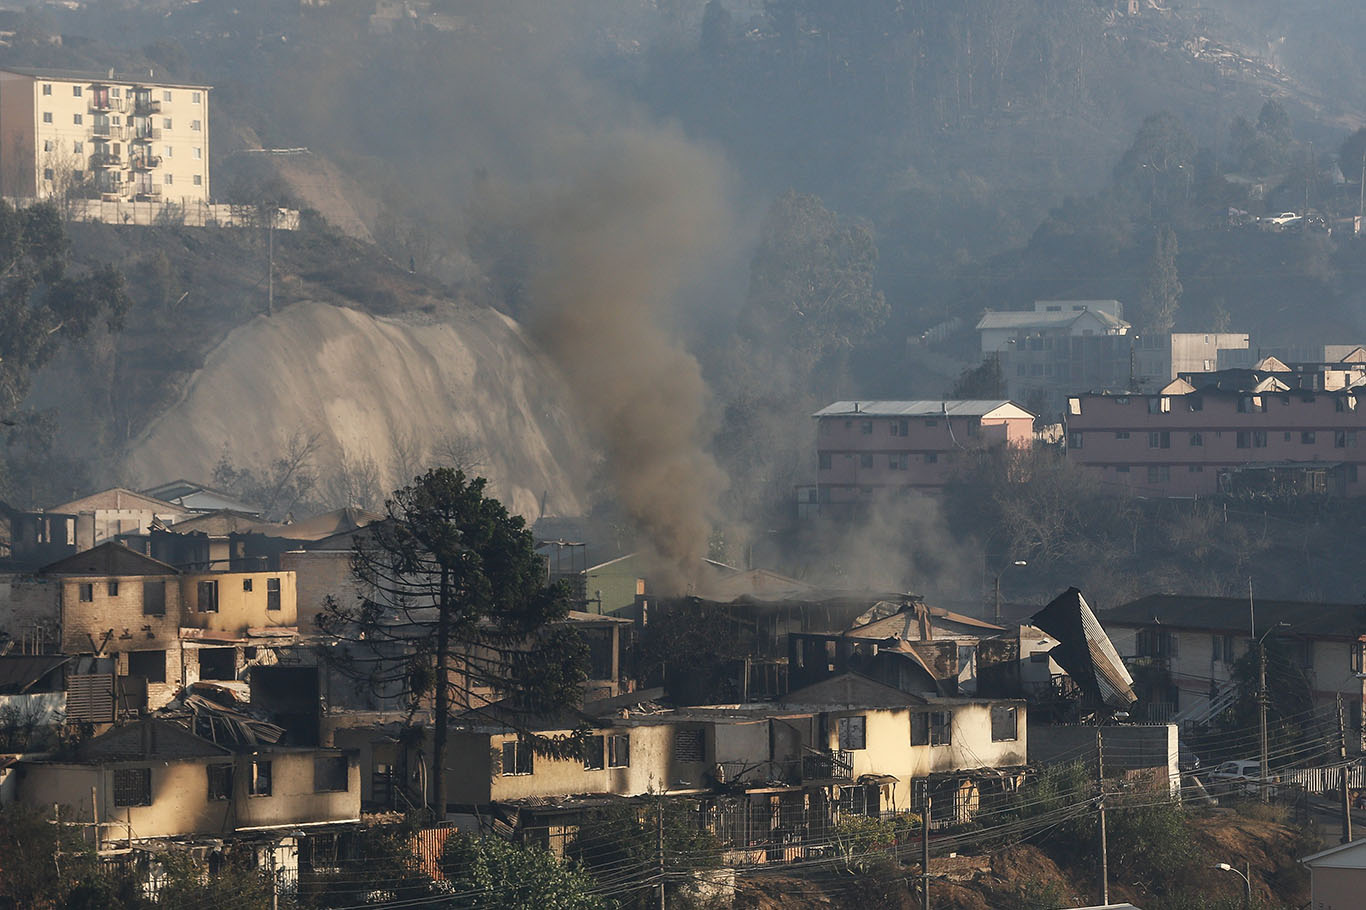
[40, 862]
[1160, 297]
[982, 381]
[492, 874]
[811, 286]
[627, 837]
[1159, 166]
[456, 605]
[42, 306]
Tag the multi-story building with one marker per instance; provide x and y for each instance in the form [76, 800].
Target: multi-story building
[1251, 431]
[866, 447]
[1052, 318]
[1042, 368]
[1182, 650]
[65, 134]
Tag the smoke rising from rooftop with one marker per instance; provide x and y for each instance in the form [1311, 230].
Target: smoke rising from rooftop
[616, 241]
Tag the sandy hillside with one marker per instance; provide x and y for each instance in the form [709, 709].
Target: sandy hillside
[362, 382]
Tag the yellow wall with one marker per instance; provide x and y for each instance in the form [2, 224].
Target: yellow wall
[121, 612]
[180, 804]
[239, 609]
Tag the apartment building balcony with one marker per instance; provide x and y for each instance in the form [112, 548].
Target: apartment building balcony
[106, 105]
[827, 766]
[105, 159]
[145, 134]
[149, 192]
[145, 162]
[144, 106]
[108, 131]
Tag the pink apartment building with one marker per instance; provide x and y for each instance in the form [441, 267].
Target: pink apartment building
[864, 447]
[1186, 441]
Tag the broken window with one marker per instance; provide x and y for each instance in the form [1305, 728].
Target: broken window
[154, 598]
[208, 596]
[150, 665]
[517, 759]
[619, 750]
[260, 777]
[132, 787]
[594, 754]
[220, 782]
[853, 733]
[87, 593]
[246, 584]
[1004, 723]
[272, 593]
[218, 664]
[330, 774]
[932, 728]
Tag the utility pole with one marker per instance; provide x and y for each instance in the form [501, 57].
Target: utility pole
[1100, 822]
[925, 854]
[1261, 709]
[997, 615]
[659, 845]
[1342, 758]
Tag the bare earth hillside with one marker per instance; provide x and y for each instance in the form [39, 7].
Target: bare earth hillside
[364, 383]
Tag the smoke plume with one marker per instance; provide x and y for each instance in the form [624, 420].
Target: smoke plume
[616, 240]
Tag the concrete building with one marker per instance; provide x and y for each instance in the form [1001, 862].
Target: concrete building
[116, 512]
[150, 627]
[1051, 318]
[868, 447]
[1042, 368]
[158, 778]
[1337, 876]
[1250, 433]
[1181, 650]
[65, 134]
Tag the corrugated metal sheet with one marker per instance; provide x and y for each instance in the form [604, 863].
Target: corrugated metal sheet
[1084, 650]
[90, 698]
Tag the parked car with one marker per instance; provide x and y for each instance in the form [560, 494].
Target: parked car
[1243, 776]
[1284, 219]
[1186, 760]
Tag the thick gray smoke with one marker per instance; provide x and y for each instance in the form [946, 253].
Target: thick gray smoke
[616, 240]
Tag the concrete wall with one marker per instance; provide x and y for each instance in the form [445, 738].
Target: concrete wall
[238, 608]
[1129, 748]
[870, 452]
[317, 574]
[86, 624]
[1336, 889]
[1110, 436]
[28, 604]
[180, 804]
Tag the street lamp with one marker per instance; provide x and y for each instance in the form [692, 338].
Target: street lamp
[1018, 562]
[1247, 881]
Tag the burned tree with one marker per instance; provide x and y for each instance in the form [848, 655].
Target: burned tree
[456, 612]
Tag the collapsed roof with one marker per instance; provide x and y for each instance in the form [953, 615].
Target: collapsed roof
[1084, 650]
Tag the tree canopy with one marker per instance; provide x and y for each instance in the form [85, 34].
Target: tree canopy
[456, 612]
[42, 306]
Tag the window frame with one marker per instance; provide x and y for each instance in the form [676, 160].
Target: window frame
[262, 779]
[129, 784]
[220, 778]
[325, 771]
[998, 715]
[618, 750]
[523, 763]
[851, 732]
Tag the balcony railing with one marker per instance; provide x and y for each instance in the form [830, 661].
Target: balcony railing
[99, 105]
[145, 134]
[105, 159]
[146, 106]
[108, 130]
[827, 766]
[149, 190]
[145, 162]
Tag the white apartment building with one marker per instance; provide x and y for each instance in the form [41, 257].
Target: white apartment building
[74, 135]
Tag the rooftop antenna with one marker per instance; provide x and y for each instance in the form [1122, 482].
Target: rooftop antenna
[111, 72]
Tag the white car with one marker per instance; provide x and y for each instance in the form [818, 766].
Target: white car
[1243, 776]
[1284, 219]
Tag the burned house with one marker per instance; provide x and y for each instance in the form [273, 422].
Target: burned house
[200, 768]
